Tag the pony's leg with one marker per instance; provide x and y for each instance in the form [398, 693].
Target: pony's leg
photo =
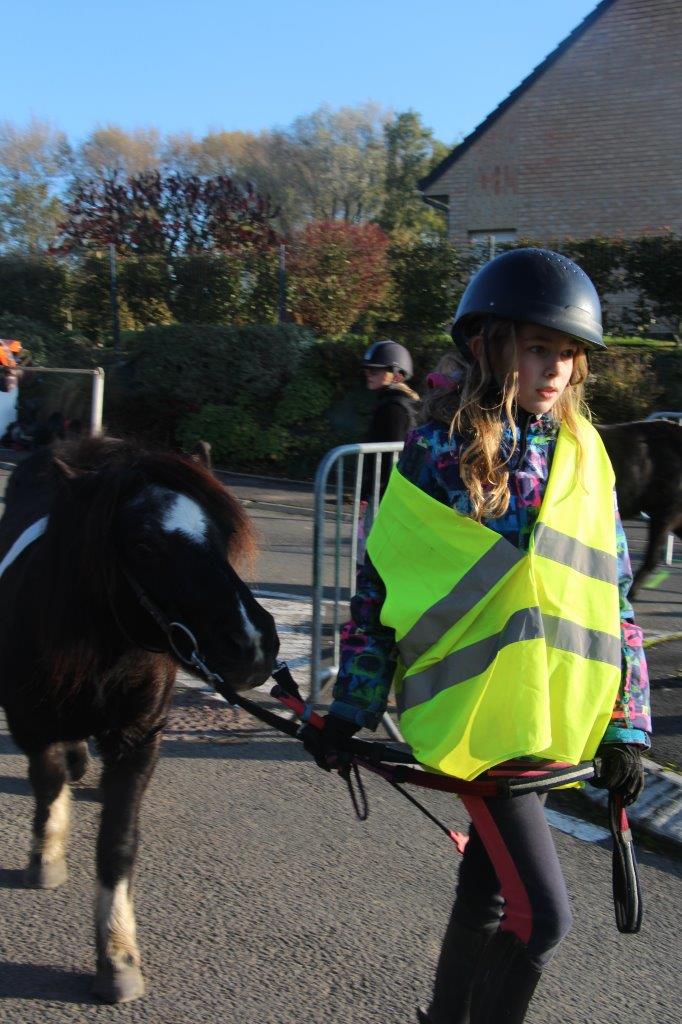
[48, 775]
[77, 760]
[658, 530]
[124, 780]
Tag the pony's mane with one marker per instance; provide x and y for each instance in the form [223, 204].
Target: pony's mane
[122, 465]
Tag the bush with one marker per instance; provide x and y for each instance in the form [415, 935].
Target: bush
[33, 287]
[218, 364]
[622, 386]
[207, 288]
[428, 278]
[48, 347]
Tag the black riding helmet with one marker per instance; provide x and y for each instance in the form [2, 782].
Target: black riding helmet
[388, 355]
[535, 286]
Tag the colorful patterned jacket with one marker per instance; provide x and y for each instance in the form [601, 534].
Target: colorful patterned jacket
[431, 461]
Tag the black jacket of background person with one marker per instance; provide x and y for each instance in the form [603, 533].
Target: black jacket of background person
[395, 413]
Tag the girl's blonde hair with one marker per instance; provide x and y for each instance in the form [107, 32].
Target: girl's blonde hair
[401, 385]
[484, 402]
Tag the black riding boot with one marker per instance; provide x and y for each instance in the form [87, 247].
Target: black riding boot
[504, 983]
[461, 950]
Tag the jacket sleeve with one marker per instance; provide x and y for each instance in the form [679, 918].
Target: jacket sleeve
[631, 716]
[368, 655]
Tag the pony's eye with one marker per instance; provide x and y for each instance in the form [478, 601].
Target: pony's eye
[143, 548]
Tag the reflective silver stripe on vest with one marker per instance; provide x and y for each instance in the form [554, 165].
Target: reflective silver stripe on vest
[465, 595]
[599, 565]
[470, 661]
[526, 624]
[592, 644]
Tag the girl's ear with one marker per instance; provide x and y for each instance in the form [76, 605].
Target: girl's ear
[476, 346]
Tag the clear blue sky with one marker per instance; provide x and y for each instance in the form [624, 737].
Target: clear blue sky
[195, 66]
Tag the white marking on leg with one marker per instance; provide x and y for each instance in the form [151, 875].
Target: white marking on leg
[116, 928]
[185, 516]
[254, 636]
[50, 846]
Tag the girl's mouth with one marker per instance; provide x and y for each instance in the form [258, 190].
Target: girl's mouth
[547, 392]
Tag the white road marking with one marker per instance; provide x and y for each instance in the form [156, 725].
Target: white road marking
[584, 830]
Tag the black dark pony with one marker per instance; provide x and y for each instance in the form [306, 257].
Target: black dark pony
[94, 535]
[647, 461]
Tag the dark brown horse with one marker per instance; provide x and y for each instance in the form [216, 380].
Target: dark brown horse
[94, 535]
[647, 460]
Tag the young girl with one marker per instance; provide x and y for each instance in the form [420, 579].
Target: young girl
[494, 596]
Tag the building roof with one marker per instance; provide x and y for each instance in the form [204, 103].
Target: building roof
[463, 146]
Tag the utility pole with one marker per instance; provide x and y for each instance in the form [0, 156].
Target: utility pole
[282, 283]
[113, 295]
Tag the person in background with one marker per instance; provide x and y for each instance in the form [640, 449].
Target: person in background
[494, 596]
[387, 367]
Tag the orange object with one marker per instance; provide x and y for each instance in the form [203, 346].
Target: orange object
[8, 349]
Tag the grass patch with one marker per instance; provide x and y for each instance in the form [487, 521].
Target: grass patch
[633, 341]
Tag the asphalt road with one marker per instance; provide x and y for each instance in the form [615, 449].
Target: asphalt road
[261, 900]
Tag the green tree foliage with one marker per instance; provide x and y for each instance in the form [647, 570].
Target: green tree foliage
[410, 153]
[337, 272]
[33, 162]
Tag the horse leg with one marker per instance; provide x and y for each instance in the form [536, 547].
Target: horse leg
[77, 760]
[658, 529]
[48, 776]
[124, 780]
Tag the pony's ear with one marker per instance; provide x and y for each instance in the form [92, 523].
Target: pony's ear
[201, 453]
[71, 472]
[67, 471]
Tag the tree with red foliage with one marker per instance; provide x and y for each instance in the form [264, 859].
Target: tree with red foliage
[166, 215]
[338, 271]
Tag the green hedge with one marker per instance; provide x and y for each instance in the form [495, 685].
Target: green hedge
[273, 398]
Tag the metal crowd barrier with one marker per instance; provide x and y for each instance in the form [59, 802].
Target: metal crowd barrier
[340, 508]
[96, 394]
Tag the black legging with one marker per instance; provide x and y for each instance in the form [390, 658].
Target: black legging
[510, 873]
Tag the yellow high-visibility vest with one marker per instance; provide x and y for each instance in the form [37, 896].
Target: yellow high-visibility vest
[504, 653]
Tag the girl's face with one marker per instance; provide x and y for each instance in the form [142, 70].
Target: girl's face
[377, 378]
[545, 364]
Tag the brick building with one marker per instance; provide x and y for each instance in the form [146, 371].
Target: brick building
[590, 143]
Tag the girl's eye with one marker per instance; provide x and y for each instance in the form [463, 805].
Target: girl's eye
[569, 353]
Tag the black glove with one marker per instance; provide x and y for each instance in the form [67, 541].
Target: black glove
[328, 743]
[620, 770]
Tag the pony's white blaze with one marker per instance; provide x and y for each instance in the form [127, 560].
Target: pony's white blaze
[253, 634]
[185, 516]
[116, 924]
[50, 846]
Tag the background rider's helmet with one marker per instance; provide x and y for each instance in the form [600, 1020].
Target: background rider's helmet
[388, 355]
[535, 286]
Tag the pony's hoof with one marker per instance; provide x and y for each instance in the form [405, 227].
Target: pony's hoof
[77, 761]
[39, 875]
[118, 986]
